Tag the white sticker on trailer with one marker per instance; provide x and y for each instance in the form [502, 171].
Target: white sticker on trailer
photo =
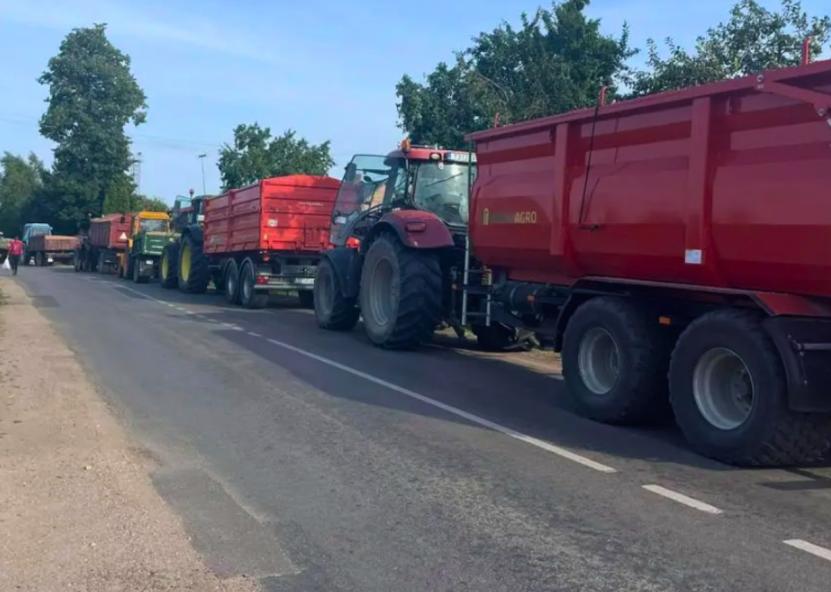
[693, 257]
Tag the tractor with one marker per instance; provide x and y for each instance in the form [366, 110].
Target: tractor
[149, 235]
[183, 264]
[399, 236]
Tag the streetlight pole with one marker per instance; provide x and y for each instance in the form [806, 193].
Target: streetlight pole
[201, 158]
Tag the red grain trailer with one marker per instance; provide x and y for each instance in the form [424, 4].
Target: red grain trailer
[107, 236]
[269, 236]
[677, 244]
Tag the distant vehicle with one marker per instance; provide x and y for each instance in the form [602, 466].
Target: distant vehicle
[263, 238]
[149, 233]
[45, 249]
[4, 247]
[99, 248]
[32, 229]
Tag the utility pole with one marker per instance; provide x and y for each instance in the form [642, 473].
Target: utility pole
[137, 172]
[201, 158]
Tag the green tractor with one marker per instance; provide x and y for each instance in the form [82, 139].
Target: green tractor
[149, 235]
[183, 264]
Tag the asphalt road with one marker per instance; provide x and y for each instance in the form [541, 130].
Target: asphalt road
[312, 461]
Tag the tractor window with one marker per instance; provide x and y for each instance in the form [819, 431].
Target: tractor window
[442, 188]
[153, 225]
[363, 185]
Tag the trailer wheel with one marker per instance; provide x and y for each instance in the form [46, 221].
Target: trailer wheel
[333, 310]
[101, 265]
[76, 261]
[232, 279]
[307, 298]
[168, 266]
[729, 395]
[193, 270]
[249, 296]
[401, 294]
[137, 277]
[615, 360]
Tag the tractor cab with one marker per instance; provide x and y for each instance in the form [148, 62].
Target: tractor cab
[187, 211]
[420, 178]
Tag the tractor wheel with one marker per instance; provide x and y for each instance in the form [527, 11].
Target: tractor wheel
[307, 298]
[249, 296]
[615, 359]
[136, 269]
[231, 283]
[39, 261]
[333, 310]
[101, 265]
[729, 395]
[401, 294]
[194, 273]
[77, 262]
[168, 266]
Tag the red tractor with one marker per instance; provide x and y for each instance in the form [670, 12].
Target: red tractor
[399, 230]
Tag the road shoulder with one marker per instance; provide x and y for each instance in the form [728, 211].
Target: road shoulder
[77, 506]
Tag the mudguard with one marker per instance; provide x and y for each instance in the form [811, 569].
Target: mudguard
[416, 229]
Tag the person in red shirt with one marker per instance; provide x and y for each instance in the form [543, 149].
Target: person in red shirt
[15, 253]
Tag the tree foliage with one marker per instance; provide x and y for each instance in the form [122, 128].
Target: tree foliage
[20, 180]
[255, 155]
[92, 97]
[554, 61]
[751, 40]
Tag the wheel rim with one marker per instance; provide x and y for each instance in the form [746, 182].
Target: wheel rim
[723, 388]
[598, 360]
[380, 292]
[184, 264]
[246, 284]
[230, 283]
[324, 290]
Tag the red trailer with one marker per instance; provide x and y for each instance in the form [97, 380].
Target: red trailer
[107, 237]
[45, 249]
[268, 237]
[677, 244]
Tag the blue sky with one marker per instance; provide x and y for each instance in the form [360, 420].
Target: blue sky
[325, 69]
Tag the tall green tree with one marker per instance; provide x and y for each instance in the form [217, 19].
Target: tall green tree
[751, 40]
[255, 155]
[92, 97]
[554, 61]
[20, 180]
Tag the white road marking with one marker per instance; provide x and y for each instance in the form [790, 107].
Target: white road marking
[536, 442]
[252, 334]
[811, 548]
[548, 447]
[682, 499]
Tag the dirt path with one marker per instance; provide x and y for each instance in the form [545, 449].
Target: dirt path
[77, 508]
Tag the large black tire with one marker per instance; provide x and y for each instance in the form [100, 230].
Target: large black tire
[135, 267]
[193, 270]
[333, 310]
[169, 266]
[250, 297]
[729, 395]
[401, 294]
[615, 358]
[231, 283]
[77, 261]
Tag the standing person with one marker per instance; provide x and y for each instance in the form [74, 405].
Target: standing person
[15, 252]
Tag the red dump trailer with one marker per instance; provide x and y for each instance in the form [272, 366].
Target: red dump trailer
[45, 249]
[676, 248]
[268, 237]
[107, 237]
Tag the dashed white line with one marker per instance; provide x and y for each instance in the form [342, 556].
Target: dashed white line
[811, 548]
[683, 499]
[253, 334]
[548, 447]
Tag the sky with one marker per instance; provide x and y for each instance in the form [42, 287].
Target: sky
[325, 69]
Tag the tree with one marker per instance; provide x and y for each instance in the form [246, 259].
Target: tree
[92, 96]
[20, 179]
[753, 39]
[256, 155]
[150, 204]
[555, 61]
